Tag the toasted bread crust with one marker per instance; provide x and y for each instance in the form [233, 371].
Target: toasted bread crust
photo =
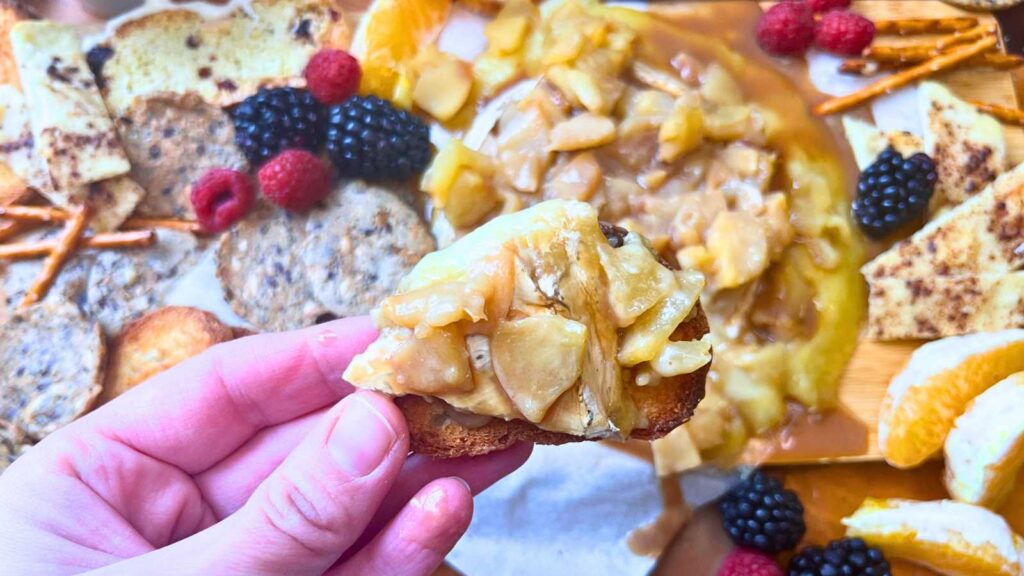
[666, 406]
[159, 341]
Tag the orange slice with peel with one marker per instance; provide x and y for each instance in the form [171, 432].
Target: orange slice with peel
[949, 537]
[985, 449]
[389, 35]
[924, 400]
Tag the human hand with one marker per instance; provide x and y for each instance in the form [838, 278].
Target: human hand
[242, 460]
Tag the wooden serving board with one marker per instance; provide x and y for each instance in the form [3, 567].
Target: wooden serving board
[867, 376]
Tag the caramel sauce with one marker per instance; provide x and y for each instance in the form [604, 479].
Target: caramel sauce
[652, 539]
[810, 436]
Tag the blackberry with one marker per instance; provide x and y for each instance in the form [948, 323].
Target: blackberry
[369, 138]
[845, 557]
[893, 191]
[276, 119]
[760, 514]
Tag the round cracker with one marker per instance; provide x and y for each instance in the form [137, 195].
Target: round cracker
[51, 362]
[172, 140]
[262, 274]
[358, 259]
[282, 271]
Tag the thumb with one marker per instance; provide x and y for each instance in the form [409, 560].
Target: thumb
[311, 509]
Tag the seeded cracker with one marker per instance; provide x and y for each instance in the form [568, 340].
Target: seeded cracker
[124, 284]
[282, 271]
[51, 362]
[172, 140]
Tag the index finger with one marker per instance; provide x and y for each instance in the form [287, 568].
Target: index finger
[202, 410]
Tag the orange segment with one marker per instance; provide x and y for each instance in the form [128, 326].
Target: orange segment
[949, 537]
[389, 36]
[941, 378]
[985, 448]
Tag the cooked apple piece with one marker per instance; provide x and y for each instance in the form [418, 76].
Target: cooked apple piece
[675, 453]
[738, 242]
[652, 179]
[401, 362]
[727, 123]
[582, 131]
[442, 89]
[682, 357]
[562, 48]
[523, 139]
[578, 179]
[443, 171]
[643, 340]
[636, 280]
[719, 87]
[644, 111]
[658, 79]
[435, 307]
[580, 88]
[487, 396]
[470, 199]
[493, 73]
[507, 33]
[537, 359]
[708, 426]
[682, 132]
[775, 215]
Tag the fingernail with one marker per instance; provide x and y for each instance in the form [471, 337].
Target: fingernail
[362, 438]
[464, 483]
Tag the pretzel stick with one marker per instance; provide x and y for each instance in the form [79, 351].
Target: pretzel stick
[168, 223]
[27, 250]
[34, 213]
[51, 214]
[65, 246]
[994, 60]
[11, 228]
[904, 77]
[958, 38]
[911, 26]
[1004, 114]
[900, 54]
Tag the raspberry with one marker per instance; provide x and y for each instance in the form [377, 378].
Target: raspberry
[295, 180]
[842, 32]
[820, 6]
[222, 197]
[332, 76]
[743, 562]
[787, 28]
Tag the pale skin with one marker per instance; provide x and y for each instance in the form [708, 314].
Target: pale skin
[252, 458]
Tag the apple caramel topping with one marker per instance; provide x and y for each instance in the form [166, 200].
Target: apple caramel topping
[536, 316]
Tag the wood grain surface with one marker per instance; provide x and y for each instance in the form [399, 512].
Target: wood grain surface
[867, 376]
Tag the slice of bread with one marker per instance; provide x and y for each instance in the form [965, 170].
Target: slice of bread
[223, 60]
[434, 432]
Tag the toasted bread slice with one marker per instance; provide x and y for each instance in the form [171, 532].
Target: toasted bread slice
[436, 430]
[542, 325]
[936, 306]
[223, 61]
[158, 341]
[968, 147]
[981, 236]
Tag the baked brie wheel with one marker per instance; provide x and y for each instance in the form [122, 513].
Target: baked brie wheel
[544, 326]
